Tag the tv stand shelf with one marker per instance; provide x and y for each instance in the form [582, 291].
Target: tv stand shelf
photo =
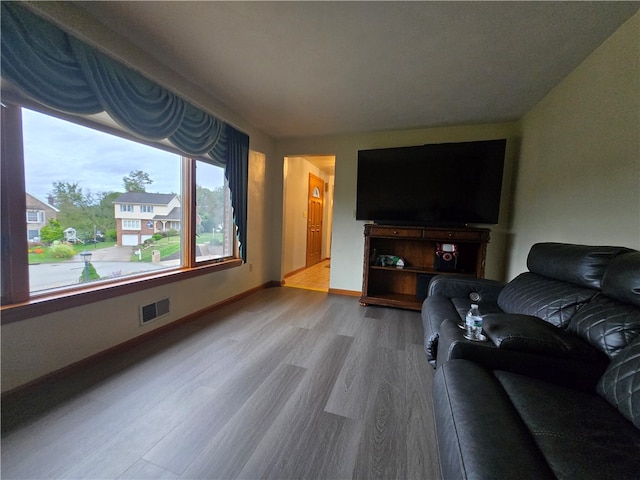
[417, 246]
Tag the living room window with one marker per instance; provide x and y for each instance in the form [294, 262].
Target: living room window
[84, 172]
[51, 71]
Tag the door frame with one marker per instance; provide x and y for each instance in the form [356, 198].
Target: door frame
[294, 196]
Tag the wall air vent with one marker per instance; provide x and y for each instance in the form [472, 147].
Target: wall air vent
[154, 310]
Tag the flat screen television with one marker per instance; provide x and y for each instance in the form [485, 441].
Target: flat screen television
[443, 184]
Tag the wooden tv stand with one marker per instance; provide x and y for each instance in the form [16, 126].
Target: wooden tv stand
[398, 287]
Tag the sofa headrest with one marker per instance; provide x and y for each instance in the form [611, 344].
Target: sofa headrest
[582, 265]
[622, 278]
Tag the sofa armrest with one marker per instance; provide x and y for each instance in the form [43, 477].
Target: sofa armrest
[525, 333]
[435, 310]
[582, 371]
[459, 286]
[453, 345]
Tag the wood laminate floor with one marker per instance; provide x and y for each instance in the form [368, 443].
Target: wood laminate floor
[285, 384]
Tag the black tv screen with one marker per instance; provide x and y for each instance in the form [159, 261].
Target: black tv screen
[439, 184]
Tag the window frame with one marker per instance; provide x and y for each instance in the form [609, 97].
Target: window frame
[39, 215]
[127, 222]
[17, 301]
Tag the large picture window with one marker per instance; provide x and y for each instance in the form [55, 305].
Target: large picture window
[121, 207]
[102, 189]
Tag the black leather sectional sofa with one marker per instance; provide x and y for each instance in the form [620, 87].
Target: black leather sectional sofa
[554, 392]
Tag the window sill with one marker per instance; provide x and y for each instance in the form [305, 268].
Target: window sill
[62, 300]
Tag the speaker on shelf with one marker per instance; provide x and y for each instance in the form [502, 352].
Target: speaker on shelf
[446, 257]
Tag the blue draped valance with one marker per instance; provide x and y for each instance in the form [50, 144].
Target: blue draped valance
[63, 73]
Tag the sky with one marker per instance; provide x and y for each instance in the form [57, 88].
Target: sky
[56, 150]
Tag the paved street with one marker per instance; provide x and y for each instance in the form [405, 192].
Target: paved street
[108, 262]
[111, 254]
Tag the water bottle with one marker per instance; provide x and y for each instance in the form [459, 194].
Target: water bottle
[474, 323]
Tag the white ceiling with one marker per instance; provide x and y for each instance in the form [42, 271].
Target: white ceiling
[316, 68]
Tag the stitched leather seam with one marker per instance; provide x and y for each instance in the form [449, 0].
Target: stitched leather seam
[573, 437]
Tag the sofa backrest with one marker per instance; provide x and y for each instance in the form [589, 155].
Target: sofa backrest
[581, 265]
[562, 278]
[552, 300]
[611, 321]
[620, 384]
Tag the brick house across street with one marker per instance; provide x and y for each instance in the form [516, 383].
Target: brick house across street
[38, 215]
[139, 215]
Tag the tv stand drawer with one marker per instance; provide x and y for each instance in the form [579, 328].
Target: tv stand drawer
[405, 232]
[450, 235]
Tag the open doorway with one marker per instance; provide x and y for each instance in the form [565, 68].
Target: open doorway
[307, 221]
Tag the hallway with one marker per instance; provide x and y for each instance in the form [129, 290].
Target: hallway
[312, 278]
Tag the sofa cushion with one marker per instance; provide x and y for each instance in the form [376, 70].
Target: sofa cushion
[622, 279]
[606, 324]
[579, 433]
[552, 300]
[581, 265]
[525, 333]
[620, 384]
[480, 434]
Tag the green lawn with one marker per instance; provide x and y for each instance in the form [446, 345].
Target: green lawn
[45, 257]
[166, 247]
[171, 245]
[207, 237]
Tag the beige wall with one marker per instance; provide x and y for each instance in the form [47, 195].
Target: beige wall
[578, 179]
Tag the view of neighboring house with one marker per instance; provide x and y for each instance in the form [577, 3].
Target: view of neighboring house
[139, 215]
[38, 215]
